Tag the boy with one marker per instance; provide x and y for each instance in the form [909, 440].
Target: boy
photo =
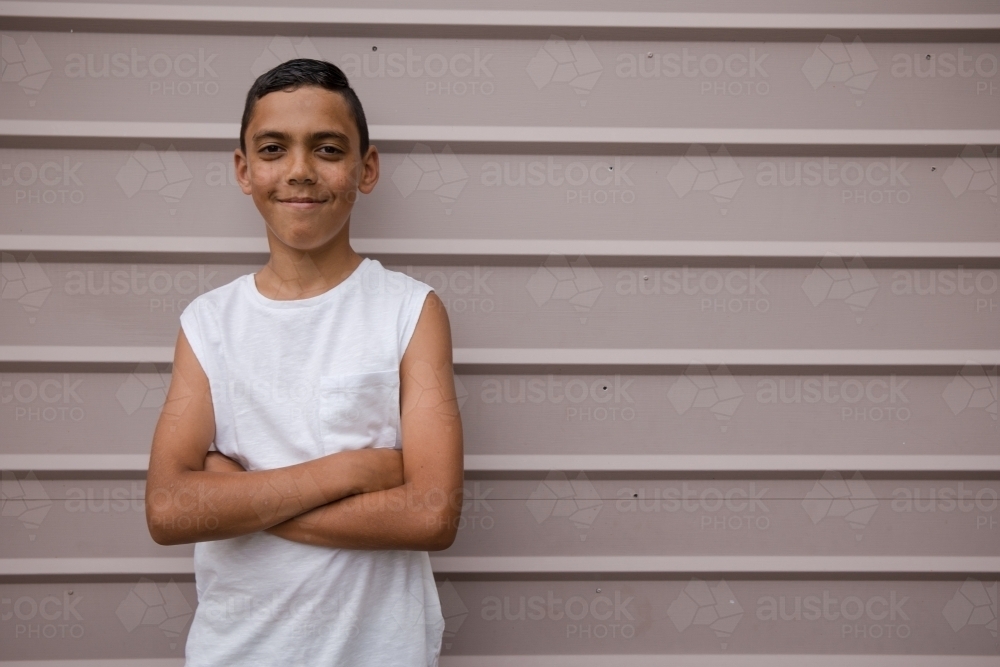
[325, 382]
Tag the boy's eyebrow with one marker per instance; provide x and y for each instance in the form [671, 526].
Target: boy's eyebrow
[315, 136]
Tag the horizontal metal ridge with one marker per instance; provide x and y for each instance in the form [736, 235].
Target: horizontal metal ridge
[517, 247]
[358, 17]
[734, 565]
[559, 134]
[539, 463]
[567, 356]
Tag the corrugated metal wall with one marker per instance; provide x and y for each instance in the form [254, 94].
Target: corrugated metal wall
[723, 283]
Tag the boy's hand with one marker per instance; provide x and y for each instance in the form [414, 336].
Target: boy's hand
[374, 468]
[218, 462]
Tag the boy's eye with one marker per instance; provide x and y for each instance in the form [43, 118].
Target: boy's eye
[330, 150]
[268, 147]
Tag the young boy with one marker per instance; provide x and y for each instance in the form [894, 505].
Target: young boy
[325, 381]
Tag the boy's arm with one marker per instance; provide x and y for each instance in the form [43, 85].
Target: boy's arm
[423, 513]
[185, 503]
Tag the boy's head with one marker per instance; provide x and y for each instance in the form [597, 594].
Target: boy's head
[304, 152]
[305, 72]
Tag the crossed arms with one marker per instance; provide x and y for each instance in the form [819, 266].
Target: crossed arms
[363, 499]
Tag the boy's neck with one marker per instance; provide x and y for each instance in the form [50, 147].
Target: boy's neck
[292, 274]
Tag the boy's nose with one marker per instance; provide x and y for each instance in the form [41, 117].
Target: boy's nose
[301, 169]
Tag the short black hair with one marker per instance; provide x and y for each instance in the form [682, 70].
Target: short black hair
[299, 72]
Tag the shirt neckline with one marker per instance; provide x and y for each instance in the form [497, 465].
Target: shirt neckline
[251, 287]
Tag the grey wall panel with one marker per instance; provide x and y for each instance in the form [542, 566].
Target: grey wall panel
[695, 192]
[80, 518]
[572, 514]
[569, 514]
[128, 618]
[150, 618]
[668, 617]
[565, 80]
[715, 411]
[126, 306]
[563, 302]
[82, 413]
[138, 192]
[686, 306]
[696, 411]
[742, 196]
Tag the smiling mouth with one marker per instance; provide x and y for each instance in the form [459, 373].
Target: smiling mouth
[301, 202]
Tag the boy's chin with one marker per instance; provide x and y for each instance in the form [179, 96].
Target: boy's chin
[305, 240]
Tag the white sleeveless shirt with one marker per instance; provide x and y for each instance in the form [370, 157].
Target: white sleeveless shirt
[292, 381]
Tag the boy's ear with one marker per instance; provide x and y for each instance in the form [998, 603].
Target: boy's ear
[369, 170]
[242, 166]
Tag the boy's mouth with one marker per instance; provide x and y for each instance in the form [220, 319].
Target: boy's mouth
[301, 202]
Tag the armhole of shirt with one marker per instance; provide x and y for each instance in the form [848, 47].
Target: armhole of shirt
[415, 306]
[191, 324]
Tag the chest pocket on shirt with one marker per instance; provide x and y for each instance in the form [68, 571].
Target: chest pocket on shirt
[358, 410]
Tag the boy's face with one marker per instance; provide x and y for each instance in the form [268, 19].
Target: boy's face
[303, 167]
